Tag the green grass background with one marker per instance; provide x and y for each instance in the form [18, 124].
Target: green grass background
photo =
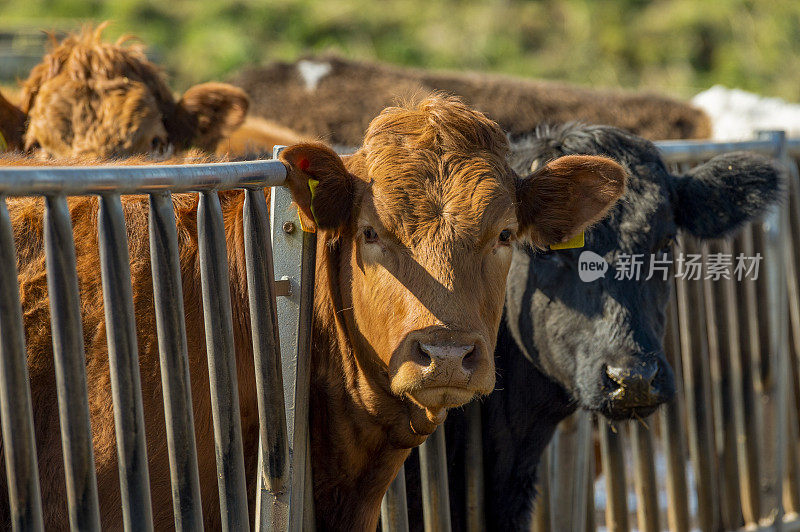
[677, 47]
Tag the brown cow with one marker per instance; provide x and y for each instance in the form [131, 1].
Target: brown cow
[415, 235]
[12, 125]
[93, 98]
[333, 98]
[257, 135]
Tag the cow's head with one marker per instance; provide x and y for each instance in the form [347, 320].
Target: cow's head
[422, 218]
[97, 99]
[12, 125]
[602, 338]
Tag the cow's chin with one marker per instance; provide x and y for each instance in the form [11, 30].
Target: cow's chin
[435, 400]
[622, 414]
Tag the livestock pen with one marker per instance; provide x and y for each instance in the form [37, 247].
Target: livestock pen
[734, 421]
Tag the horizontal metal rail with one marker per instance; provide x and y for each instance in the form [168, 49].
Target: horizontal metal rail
[681, 151]
[84, 180]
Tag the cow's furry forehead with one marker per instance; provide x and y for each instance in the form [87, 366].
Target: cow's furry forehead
[438, 168]
[85, 57]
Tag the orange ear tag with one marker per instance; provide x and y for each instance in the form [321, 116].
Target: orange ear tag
[576, 241]
[312, 186]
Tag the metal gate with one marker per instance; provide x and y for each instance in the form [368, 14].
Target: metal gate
[281, 375]
[737, 370]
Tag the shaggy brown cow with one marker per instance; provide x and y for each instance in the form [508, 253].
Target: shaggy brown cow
[333, 98]
[12, 125]
[92, 98]
[414, 245]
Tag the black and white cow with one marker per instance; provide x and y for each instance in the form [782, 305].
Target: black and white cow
[565, 343]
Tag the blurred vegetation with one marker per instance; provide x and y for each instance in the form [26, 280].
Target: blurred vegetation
[678, 47]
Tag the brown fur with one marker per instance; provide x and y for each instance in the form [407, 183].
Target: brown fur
[433, 182]
[257, 134]
[93, 98]
[345, 100]
[12, 125]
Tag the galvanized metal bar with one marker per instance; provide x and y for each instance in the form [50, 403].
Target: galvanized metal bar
[680, 151]
[394, 509]
[644, 477]
[473, 454]
[540, 518]
[776, 242]
[697, 389]
[591, 471]
[84, 180]
[433, 473]
[724, 417]
[744, 345]
[274, 445]
[16, 412]
[123, 358]
[611, 446]
[221, 363]
[672, 427]
[295, 261]
[70, 366]
[570, 443]
[174, 362]
[792, 255]
[793, 148]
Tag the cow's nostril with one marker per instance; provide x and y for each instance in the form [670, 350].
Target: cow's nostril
[448, 354]
[628, 376]
[422, 357]
[632, 386]
[470, 359]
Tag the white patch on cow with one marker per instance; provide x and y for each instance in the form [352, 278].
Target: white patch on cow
[736, 114]
[312, 72]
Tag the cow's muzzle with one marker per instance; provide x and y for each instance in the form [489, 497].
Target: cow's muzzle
[638, 387]
[443, 368]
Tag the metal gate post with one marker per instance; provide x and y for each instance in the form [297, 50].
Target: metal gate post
[294, 252]
[775, 226]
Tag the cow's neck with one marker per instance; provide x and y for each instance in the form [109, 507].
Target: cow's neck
[360, 431]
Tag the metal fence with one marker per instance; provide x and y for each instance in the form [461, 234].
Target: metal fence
[724, 454]
[281, 376]
[734, 423]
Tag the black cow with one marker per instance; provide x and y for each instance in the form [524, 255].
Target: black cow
[565, 343]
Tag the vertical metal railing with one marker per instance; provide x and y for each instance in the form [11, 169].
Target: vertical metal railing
[294, 251]
[70, 366]
[123, 357]
[16, 412]
[284, 484]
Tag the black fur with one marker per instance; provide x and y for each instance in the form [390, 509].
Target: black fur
[559, 333]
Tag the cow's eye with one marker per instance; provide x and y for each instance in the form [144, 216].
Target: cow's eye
[370, 235]
[505, 237]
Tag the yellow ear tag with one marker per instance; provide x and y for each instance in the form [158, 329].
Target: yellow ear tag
[3, 143]
[312, 186]
[574, 242]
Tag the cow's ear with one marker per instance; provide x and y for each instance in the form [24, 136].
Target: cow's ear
[567, 195]
[215, 110]
[717, 197]
[320, 184]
